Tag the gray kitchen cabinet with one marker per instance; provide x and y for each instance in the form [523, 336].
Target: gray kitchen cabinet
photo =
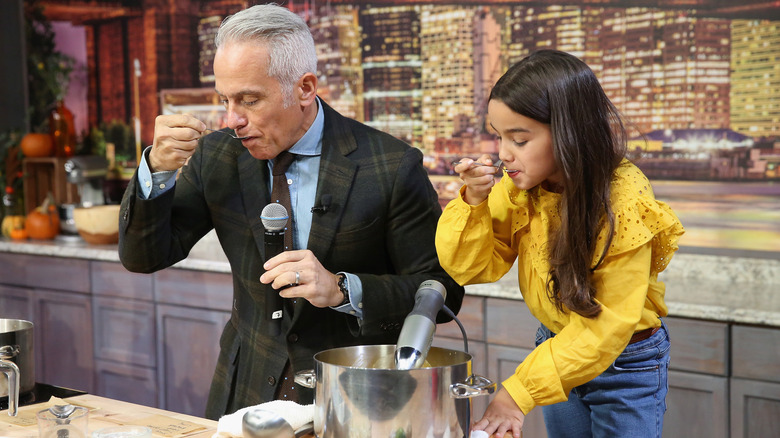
[192, 309]
[125, 334]
[697, 406]
[188, 347]
[130, 383]
[53, 294]
[16, 303]
[511, 336]
[755, 409]
[63, 339]
[755, 385]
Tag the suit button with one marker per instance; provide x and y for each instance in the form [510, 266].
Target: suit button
[292, 338]
[271, 380]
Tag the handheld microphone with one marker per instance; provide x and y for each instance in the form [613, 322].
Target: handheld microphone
[324, 204]
[419, 326]
[274, 217]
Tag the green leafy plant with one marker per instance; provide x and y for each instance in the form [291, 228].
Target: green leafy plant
[48, 70]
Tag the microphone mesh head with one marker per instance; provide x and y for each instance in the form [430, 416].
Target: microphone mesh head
[274, 217]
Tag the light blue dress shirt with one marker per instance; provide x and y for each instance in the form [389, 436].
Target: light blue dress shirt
[302, 177]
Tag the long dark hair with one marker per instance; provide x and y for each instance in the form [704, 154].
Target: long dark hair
[589, 142]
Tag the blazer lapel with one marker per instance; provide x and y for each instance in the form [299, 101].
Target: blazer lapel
[337, 174]
[253, 175]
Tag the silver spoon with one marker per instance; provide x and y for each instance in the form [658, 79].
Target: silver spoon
[496, 165]
[227, 133]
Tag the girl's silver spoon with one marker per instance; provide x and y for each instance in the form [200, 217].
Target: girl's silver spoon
[496, 165]
[227, 133]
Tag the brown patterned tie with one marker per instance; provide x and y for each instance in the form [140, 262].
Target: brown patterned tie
[281, 192]
[286, 388]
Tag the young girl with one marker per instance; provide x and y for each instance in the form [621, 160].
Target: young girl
[589, 238]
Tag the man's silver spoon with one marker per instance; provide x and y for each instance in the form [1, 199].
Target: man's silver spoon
[227, 133]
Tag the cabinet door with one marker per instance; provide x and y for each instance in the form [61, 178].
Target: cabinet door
[16, 303]
[188, 347]
[128, 383]
[502, 362]
[696, 406]
[63, 340]
[755, 409]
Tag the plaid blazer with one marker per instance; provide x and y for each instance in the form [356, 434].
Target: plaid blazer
[380, 226]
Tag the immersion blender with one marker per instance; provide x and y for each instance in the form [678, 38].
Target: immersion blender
[419, 326]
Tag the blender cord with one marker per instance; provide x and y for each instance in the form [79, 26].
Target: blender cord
[462, 329]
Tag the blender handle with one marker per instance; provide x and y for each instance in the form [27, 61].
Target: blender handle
[12, 371]
[473, 386]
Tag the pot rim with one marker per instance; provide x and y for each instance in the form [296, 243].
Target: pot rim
[439, 357]
[10, 325]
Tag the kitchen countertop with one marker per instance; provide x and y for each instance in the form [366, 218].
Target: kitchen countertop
[106, 412]
[719, 287]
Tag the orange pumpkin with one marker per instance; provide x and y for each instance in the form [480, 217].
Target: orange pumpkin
[37, 145]
[43, 223]
[19, 234]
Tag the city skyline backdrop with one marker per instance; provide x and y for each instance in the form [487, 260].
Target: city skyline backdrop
[422, 72]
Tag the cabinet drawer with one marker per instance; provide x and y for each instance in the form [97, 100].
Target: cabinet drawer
[128, 383]
[124, 331]
[699, 346]
[472, 316]
[756, 353]
[209, 290]
[509, 322]
[112, 279]
[56, 273]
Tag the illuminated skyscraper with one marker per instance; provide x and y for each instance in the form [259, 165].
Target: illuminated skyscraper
[448, 78]
[391, 70]
[487, 60]
[666, 69]
[337, 39]
[755, 77]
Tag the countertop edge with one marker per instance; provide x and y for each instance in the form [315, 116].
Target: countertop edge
[708, 287]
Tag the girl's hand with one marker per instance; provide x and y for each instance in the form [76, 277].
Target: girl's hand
[502, 416]
[478, 176]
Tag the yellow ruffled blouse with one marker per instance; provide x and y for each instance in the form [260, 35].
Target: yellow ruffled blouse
[479, 244]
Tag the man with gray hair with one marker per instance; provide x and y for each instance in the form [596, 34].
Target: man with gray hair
[363, 213]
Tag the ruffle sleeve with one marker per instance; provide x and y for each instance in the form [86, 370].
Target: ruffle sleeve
[639, 219]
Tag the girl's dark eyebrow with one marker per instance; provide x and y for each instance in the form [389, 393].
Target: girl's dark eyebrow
[512, 130]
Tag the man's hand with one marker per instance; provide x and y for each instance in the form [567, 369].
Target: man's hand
[502, 416]
[175, 139]
[315, 283]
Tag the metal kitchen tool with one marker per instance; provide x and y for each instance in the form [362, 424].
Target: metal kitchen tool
[16, 360]
[227, 133]
[88, 173]
[261, 423]
[416, 335]
[63, 421]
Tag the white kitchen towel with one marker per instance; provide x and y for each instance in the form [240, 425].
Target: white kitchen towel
[479, 434]
[297, 415]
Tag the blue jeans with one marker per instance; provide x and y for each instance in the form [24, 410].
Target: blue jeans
[626, 400]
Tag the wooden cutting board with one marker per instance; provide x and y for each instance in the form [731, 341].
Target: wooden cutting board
[106, 412]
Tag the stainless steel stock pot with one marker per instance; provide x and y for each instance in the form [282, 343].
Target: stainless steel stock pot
[359, 393]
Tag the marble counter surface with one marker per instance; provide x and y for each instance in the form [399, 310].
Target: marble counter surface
[723, 288]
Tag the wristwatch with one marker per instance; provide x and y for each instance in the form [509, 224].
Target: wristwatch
[343, 288]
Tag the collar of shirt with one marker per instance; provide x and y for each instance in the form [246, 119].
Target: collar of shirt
[302, 178]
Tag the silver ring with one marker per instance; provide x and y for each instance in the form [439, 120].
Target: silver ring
[297, 278]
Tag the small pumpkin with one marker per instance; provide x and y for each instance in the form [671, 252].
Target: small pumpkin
[43, 223]
[12, 222]
[19, 234]
[35, 144]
